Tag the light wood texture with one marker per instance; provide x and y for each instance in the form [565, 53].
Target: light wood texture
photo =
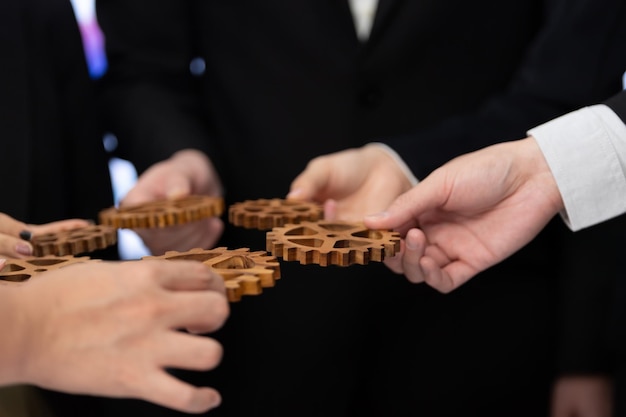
[163, 213]
[74, 241]
[244, 272]
[264, 214]
[332, 243]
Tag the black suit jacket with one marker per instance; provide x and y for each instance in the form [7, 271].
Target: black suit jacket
[286, 81]
[53, 163]
[618, 104]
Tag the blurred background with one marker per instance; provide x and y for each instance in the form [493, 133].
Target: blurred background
[123, 173]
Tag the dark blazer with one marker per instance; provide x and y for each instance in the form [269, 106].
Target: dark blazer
[618, 104]
[53, 163]
[285, 81]
[617, 324]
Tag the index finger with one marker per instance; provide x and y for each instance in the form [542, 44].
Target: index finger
[11, 226]
[309, 184]
[59, 226]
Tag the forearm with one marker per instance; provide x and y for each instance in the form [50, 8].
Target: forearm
[13, 346]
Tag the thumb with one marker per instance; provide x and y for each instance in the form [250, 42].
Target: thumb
[147, 191]
[310, 184]
[403, 213]
[176, 186]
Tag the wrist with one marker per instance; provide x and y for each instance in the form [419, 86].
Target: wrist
[536, 169]
[396, 163]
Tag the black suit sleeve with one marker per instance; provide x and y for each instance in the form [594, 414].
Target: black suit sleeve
[618, 104]
[565, 68]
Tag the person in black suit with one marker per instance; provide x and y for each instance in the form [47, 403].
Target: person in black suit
[53, 150]
[264, 87]
[69, 329]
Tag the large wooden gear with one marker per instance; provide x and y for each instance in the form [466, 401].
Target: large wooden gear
[163, 213]
[265, 214]
[244, 272]
[74, 241]
[332, 243]
[20, 270]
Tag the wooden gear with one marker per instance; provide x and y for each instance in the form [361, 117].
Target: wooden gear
[74, 241]
[332, 243]
[163, 213]
[20, 270]
[264, 214]
[244, 272]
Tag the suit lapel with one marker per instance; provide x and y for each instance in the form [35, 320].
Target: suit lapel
[384, 12]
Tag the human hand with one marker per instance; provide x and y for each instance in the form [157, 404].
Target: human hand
[111, 329]
[471, 213]
[186, 172]
[582, 396]
[14, 234]
[351, 183]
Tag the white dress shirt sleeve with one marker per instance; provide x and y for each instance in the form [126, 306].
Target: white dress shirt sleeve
[586, 151]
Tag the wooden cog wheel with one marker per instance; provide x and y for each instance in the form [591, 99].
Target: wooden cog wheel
[20, 270]
[332, 243]
[163, 213]
[244, 272]
[265, 214]
[74, 241]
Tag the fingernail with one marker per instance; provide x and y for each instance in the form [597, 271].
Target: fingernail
[294, 193]
[177, 192]
[24, 249]
[25, 235]
[410, 243]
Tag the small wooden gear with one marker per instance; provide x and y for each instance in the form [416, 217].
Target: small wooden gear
[20, 270]
[332, 243]
[265, 214]
[244, 272]
[74, 241]
[163, 213]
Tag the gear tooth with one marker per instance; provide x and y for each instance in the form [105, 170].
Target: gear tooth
[278, 250]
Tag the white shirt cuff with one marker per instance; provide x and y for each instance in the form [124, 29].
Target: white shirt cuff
[586, 151]
[401, 164]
